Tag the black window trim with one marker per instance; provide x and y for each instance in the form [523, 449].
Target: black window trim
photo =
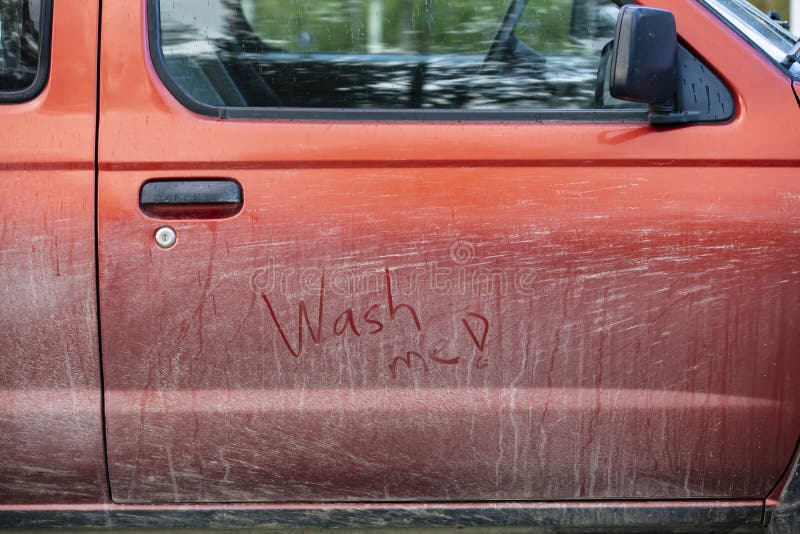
[43, 68]
[357, 115]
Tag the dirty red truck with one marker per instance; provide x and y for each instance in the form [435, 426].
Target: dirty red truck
[335, 263]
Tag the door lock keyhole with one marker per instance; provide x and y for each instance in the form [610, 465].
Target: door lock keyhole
[165, 237]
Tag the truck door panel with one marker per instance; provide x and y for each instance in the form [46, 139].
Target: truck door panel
[442, 311]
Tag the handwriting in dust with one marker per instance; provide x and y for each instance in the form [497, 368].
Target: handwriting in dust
[372, 322]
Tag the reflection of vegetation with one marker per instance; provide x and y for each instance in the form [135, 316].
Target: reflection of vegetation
[11, 20]
[19, 43]
[781, 6]
[384, 54]
[433, 26]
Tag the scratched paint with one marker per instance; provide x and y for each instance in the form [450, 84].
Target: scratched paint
[50, 421]
[304, 351]
[51, 441]
[644, 346]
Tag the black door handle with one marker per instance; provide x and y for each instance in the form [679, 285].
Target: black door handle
[215, 198]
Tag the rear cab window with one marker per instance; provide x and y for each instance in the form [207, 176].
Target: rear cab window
[24, 48]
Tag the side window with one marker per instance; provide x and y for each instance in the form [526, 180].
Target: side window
[24, 48]
[495, 55]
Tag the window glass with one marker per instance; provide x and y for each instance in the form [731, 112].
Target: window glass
[20, 44]
[391, 54]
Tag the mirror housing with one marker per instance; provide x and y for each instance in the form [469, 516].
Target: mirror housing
[644, 66]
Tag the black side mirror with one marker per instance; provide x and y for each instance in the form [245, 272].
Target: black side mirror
[644, 66]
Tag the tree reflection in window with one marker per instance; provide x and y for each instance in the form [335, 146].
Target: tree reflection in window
[19, 43]
[390, 54]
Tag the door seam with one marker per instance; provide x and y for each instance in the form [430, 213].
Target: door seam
[103, 421]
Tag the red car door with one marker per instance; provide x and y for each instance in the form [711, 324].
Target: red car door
[51, 431]
[304, 301]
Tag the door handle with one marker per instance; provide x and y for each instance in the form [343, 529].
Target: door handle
[215, 198]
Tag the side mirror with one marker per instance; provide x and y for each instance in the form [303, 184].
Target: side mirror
[644, 67]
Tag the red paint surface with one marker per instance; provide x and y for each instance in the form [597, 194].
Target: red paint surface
[50, 419]
[645, 346]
